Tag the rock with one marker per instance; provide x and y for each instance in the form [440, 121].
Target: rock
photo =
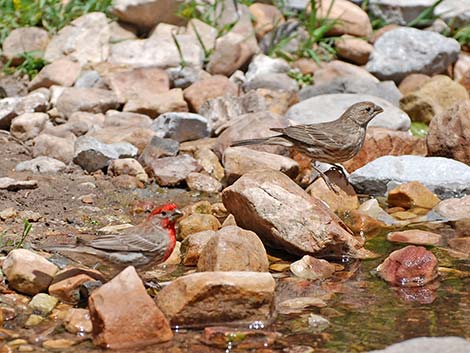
[43, 303]
[352, 84]
[28, 272]
[429, 345]
[171, 101]
[41, 165]
[210, 88]
[78, 321]
[139, 83]
[254, 339]
[138, 323]
[7, 213]
[93, 155]
[233, 249]
[413, 82]
[23, 40]
[183, 77]
[309, 267]
[54, 147]
[249, 126]
[157, 148]
[337, 201]
[89, 79]
[86, 40]
[171, 171]
[351, 18]
[209, 162]
[196, 223]
[457, 12]
[121, 31]
[93, 100]
[266, 202]
[416, 237]
[412, 266]
[329, 107]
[136, 136]
[410, 195]
[242, 297]
[425, 52]
[433, 98]
[116, 118]
[7, 111]
[460, 244]
[372, 209]
[204, 33]
[67, 283]
[444, 177]
[62, 72]
[361, 223]
[399, 12]
[158, 51]
[273, 82]
[336, 68]
[241, 160]
[146, 14]
[454, 209]
[11, 184]
[353, 49]
[203, 183]
[127, 166]
[29, 125]
[441, 143]
[230, 54]
[385, 142]
[181, 126]
[192, 246]
[266, 18]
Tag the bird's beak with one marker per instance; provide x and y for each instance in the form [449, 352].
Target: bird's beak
[176, 214]
[378, 109]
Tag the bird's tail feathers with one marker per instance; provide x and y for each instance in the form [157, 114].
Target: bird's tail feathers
[273, 140]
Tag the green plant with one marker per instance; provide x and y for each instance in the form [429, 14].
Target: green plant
[302, 79]
[419, 129]
[426, 17]
[49, 14]
[26, 229]
[462, 35]
[11, 243]
[31, 65]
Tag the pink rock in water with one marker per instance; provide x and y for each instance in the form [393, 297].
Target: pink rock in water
[125, 316]
[412, 266]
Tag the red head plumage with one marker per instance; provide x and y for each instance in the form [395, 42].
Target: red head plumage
[165, 208]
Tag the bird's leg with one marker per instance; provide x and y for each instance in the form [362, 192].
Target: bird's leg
[325, 178]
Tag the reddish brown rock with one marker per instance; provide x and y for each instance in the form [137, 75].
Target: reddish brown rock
[337, 68]
[66, 283]
[433, 97]
[157, 104]
[241, 160]
[215, 298]
[141, 83]
[455, 144]
[415, 236]
[78, 321]
[454, 209]
[383, 142]
[170, 171]
[62, 72]
[338, 201]
[286, 217]
[353, 49]
[361, 223]
[309, 267]
[25, 39]
[412, 194]
[412, 83]
[251, 339]
[28, 272]
[192, 246]
[203, 90]
[412, 266]
[460, 244]
[203, 183]
[197, 222]
[381, 31]
[233, 249]
[137, 323]
[266, 18]
[230, 54]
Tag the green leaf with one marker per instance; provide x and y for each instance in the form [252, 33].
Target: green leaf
[419, 129]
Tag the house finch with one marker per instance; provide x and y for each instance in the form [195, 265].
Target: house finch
[144, 245]
[330, 142]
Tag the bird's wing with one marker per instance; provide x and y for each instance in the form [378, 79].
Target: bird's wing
[319, 134]
[128, 240]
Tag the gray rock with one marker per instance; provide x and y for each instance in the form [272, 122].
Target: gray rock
[117, 118]
[456, 12]
[352, 84]
[41, 164]
[93, 155]
[89, 79]
[272, 81]
[183, 77]
[170, 171]
[29, 125]
[7, 111]
[398, 11]
[11, 184]
[159, 147]
[181, 126]
[403, 51]
[445, 177]
[203, 183]
[329, 107]
[125, 149]
[429, 345]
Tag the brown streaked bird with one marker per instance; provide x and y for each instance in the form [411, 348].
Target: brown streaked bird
[330, 142]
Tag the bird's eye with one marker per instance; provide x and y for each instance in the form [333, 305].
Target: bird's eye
[163, 213]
